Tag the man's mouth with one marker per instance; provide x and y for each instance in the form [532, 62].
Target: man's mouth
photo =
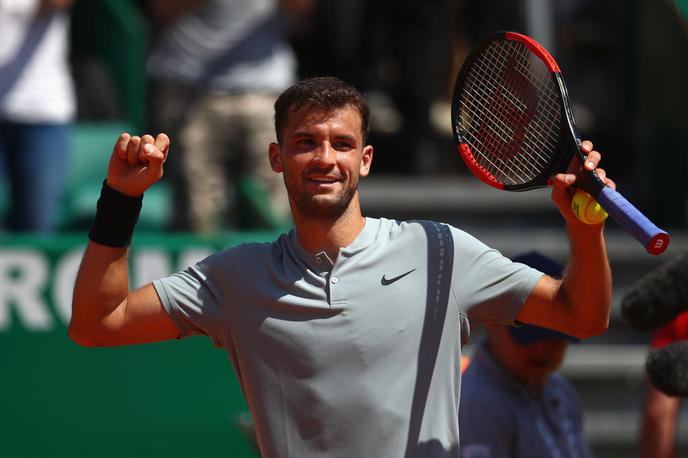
[323, 179]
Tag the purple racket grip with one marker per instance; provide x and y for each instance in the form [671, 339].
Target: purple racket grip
[630, 218]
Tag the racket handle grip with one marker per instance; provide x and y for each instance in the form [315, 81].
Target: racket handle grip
[654, 239]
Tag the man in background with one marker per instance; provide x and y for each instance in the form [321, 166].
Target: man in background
[217, 67]
[513, 403]
[37, 108]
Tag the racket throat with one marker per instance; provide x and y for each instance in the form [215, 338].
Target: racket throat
[585, 180]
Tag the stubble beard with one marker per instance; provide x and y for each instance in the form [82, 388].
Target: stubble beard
[323, 206]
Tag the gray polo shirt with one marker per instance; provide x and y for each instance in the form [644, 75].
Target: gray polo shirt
[353, 358]
[499, 418]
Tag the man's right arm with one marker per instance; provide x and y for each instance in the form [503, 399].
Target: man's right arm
[104, 311]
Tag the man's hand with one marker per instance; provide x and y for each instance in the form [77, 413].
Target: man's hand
[562, 193]
[579, 303]
[137, 162]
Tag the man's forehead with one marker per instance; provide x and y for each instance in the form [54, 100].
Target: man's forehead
[313, 115]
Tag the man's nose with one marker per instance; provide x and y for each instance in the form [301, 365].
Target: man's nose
[325, 154]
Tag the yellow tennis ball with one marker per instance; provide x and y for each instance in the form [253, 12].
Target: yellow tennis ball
[587, 209]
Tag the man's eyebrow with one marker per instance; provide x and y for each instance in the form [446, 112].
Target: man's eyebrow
[302, 133]
[339, 137]
[346, 137]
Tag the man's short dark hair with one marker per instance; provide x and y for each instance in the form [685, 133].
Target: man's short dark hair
[325, 93]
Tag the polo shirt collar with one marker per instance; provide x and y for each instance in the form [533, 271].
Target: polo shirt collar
[364, 239]
[320, 261]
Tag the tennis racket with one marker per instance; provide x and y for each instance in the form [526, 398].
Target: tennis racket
[513, 122]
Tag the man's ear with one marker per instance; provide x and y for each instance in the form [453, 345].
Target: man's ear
[366, 160]
[275, 157]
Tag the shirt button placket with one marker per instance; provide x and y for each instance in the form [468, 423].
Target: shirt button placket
[334, 289]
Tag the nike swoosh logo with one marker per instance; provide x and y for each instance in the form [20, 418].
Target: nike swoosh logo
[388, 281]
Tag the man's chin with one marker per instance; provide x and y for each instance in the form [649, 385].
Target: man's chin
[323, 206]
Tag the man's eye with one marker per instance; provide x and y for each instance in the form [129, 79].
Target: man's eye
[343, 146]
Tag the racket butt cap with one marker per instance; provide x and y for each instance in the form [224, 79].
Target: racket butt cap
[658, 244]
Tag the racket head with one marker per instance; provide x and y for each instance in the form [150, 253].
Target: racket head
[511, 114]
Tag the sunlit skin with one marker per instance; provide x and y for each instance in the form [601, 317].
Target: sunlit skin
[530, 364]
[322, 157]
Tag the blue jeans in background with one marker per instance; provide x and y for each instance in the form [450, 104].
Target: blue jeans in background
[34, 162]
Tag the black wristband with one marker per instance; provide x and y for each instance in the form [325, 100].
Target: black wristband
[116, 216]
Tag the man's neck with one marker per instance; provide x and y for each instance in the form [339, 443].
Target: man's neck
[329, 234]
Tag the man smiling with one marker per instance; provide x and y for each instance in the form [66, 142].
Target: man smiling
[345, 333]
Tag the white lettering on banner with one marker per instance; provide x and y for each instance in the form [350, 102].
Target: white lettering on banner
[149, 265]
[192, 256]
[23, 277]
[63, 282]
[26, 275]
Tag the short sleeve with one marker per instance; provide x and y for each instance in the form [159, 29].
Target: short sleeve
[195, 303]
[488, 286]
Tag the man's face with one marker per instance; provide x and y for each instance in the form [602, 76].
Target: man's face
[531, 364]
[322, 157]
[540, 359]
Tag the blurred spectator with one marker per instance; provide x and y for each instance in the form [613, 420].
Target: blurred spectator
[486, 17]
[36, 109]
[661, 412]
[217, 67]
[398, 53]
[513, 404]
[414, 39]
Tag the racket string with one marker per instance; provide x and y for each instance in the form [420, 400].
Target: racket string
[504, 106]
[500, 130]
[498, 127]
[504, 88]
[491, 124]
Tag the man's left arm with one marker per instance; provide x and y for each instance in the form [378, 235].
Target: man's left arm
[580, 302]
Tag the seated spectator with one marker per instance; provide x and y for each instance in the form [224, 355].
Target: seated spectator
[513, 404]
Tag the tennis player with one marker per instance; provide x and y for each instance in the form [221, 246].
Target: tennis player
[345, 333]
